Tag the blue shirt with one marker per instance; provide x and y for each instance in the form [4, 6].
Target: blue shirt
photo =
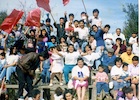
[46, 63]
[108, 60]
[99, 38]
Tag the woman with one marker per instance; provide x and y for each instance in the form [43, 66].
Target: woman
[68, 95]
[71, 57]
[80, 74]
[116, 72]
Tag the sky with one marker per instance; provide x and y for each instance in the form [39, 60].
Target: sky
[110, 10]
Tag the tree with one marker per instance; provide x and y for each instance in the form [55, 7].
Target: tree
[3, 15]
[131, 23]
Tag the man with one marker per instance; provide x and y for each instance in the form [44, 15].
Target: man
[108, 38]
[26, 67]
[108, 60]
[95, 20]
[127, 56]
[60, 27]
[118, 34]
[71, 19]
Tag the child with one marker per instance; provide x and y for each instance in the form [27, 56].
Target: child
[92, 42]
[133, 39]
[72, 40]
[125, 75]
[63, 44]
[35, 95]
[44, 67]
[58, 94]
[102, 81]
[57, 65]
[128, 91]
[51, 43]
[2, 61]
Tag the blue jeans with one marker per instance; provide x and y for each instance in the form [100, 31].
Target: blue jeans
[45, 73]
[98, 61]
[117, 85]
[102, 86]
[7, 72]
[67, 69]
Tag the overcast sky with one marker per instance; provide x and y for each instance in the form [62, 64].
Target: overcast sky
[110, 10]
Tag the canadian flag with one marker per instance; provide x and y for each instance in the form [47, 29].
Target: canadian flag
[33, 18]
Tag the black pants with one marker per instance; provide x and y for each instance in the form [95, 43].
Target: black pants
[25, 81]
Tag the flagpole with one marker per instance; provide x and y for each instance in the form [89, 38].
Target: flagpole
[52, 17]
[84, 6]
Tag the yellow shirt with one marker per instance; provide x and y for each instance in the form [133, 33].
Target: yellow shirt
[127, 58]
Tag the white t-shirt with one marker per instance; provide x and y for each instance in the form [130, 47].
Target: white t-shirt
[71, 58]
[89, 59]
[83, 33]
[108, 35]
[95, 21]
[135, 48]
[11, 59]
[2, 62]
[116, 71]
[58, 97]
[93, 44]
[132, 40]
[67, 24]
[84, 71]
[115, 36]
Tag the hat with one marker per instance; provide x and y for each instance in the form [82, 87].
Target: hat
[111, 50]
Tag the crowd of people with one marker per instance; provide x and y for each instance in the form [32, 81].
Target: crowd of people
[78, 47]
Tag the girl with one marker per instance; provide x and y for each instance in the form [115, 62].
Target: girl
[57, 65]
[102, 81]
[58, 94]
[71, 57]
[72, 40]
[63, 44]
[80, 74]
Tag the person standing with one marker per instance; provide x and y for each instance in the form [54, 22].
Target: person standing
[25, 70]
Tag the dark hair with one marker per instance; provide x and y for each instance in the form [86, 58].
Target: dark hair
[53, 37]
[107, 25]
[45, 34]
[69, 46]
[58, 91]
[3, 54]
[127, 90]
[92, 36]
[32, 30]
[48, 20]
[35, 93]
[95, 10]
[135, 58]
[83, 13]
[94, 25]
[80, 59]
[124, 64]
[67, 91]
[101, 66]
[87, 46]
[135, 33]
[81, 21]
[61, 18]
[71, 15]
[61, 38]
[11, 51]
[44, 54]
[119, 39]
[118, 59]
[76, 21]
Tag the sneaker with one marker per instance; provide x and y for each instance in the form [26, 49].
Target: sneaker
[61, 84]
[50, 84]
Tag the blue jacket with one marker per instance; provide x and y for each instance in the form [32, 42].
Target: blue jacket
[108, 60]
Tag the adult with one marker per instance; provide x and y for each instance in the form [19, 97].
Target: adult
[25, 70]
[134, 73]
[10, 66]
[70, 61]
[133, 38]
[108, 38]
[60, 27]
[71, 18]
[108, 60]
[118, 34]
[119, 48]
[80, 74]
[68, 95]
[127, 56]
[95, 19]
[116, 72]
